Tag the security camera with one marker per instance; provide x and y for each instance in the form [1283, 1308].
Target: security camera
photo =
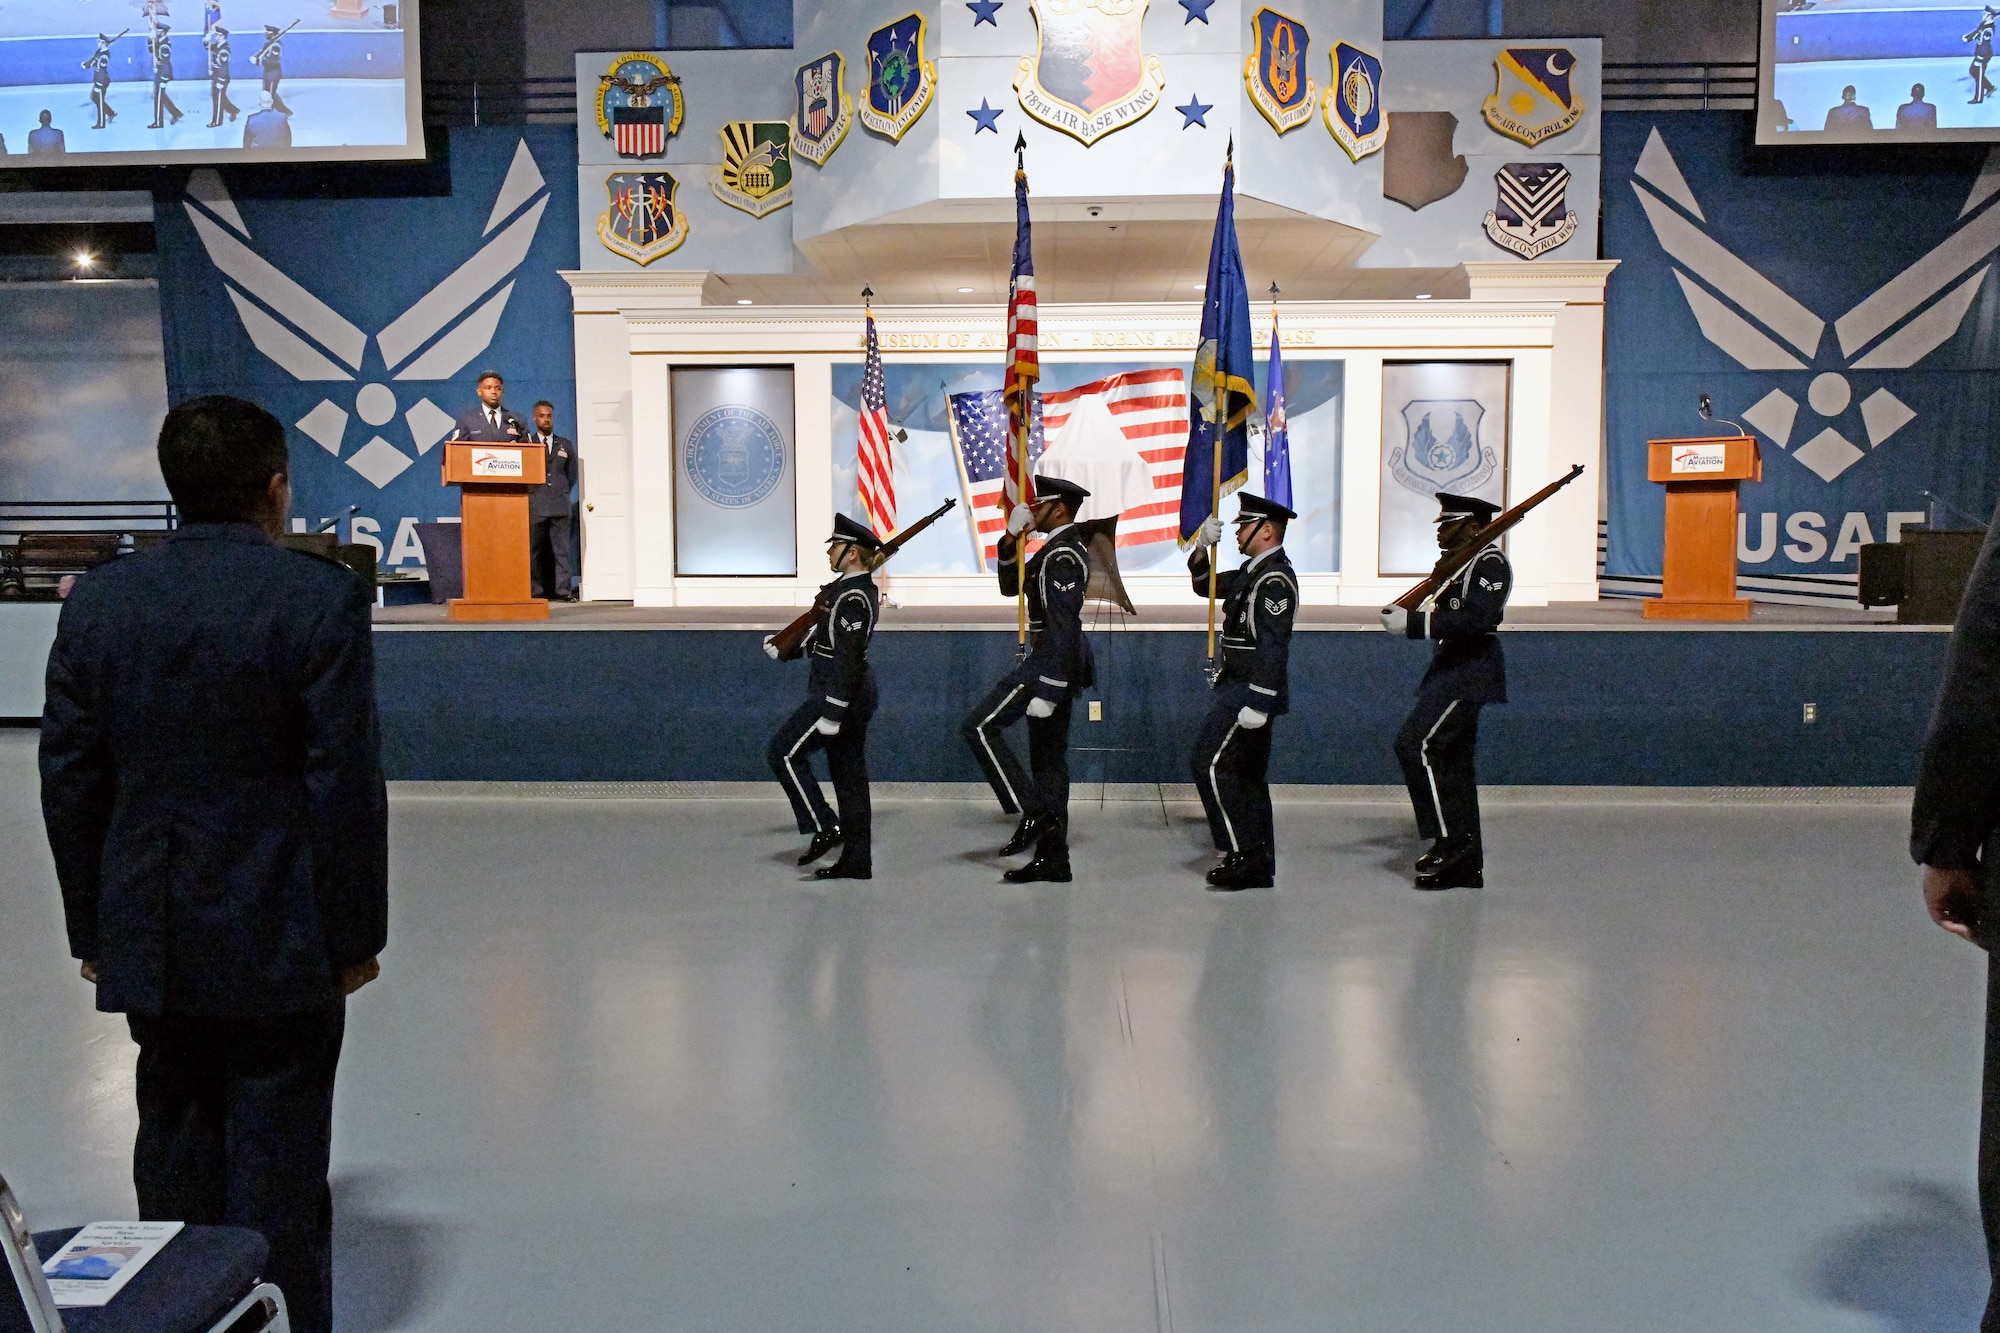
[1094, 210]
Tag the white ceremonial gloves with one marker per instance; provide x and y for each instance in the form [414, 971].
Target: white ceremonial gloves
[1209, 533]
[1041, 707]
[1250, 719]
[826, 726]
[1019, 520]
[771, 646]
[1395, 619]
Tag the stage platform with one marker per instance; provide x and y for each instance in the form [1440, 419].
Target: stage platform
[1600, 696]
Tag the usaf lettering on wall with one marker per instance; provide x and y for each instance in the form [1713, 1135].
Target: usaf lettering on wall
[756, 170]
[1275, 73]
[641, 221]
[1089, 76]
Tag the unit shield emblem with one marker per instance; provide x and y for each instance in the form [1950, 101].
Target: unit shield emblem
[1089, 76]
[900, 80]
[1532, 214]
[822, 110]
[1441, 449]
[1532, 99]
[641, 221]
[756, 170]
[639, 104]
[1352, 107]
[1275, 73]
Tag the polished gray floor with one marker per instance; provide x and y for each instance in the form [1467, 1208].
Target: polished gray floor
[1681, 1066]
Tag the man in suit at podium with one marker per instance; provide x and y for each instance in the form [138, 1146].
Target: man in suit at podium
[490, 422]
[212, 789]
[549, 527]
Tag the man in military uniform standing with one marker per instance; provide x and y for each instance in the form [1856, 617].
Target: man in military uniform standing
[99, 65]
[1232, 757]
[1467, 672]
[840, 699]
[271, 58]
[217, 42]
[549, 509]
[161, 45]
[1044, 686]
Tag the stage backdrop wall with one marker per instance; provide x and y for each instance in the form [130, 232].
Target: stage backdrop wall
[1842, 304]
[364, 322]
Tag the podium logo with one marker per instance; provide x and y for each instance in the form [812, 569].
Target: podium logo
[435, 339]
[1762, 327]
[1688, 458]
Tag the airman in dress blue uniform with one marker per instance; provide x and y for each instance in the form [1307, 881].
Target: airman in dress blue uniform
[162, 46]
[1232, 757]
[840, 699]
[1468, 671]
[216, 39]
[99, 65]
[1044, 686]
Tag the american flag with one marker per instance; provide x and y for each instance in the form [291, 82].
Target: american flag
[876, 469]
[1024, 358]
[639, 131]
[985, 444]
[1151, 407]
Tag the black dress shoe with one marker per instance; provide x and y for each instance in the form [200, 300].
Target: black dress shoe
[1441, 850]
[1026, 834]
[1243, 870]
[845, 869]
[1463, 868]
[823, 842]
[1054, 869]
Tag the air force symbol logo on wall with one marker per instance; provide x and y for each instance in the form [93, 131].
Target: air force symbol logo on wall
[1441, 449]
[734, 456]
[1532, 99]
[823, 110]
[641, 221]
[1090, 75]
[1532, 215]
[1761, 327]
[900, 80]
[1352, 107]
[1275, 73]
[434, 339]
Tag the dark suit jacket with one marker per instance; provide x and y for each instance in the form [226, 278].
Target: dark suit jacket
[551, 498]
[1957, 804]
[267, 129]
[472, 424]
[212, 777]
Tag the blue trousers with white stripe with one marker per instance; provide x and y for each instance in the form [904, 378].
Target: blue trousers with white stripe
[1230, 764]
[1041, 789]
[1436, 747]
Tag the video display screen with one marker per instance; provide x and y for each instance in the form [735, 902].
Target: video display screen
[92, 82]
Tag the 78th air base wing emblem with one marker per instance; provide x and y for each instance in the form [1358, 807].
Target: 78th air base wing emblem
[756, 170]
[641, 221]
[1352, 107]
[822, 111]
[1089, 75]
[1275, 73]
[1532, 214]
[900, 80]
[1533, 98]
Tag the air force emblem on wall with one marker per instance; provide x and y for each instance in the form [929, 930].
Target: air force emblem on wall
[1275, 73]
[900, 80]
[823, 111]
[756, 170]
[1441, 449]
[1532, 99]
[1531, 216]
[734, 456]
[641, 221]
[1352, 108]
[639, 104]
[1090, 75]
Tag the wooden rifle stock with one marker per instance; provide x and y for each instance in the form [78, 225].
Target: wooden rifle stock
[1452, 561]
[790, 641]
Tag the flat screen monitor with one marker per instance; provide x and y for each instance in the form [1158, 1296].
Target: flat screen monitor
[1877, 71]
[102, 82]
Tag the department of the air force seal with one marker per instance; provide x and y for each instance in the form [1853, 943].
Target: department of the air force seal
[1531, 216]
[1275, 73]
[900, 80]
[639, 104]
[1089, 75]
[1352, 107]
[822, 111]
[734, 456]
[1441, 449]
[756, 170]
[641, 221]
[1532, 98]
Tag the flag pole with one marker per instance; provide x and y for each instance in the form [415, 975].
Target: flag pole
[1215, 451]
[1021, 451]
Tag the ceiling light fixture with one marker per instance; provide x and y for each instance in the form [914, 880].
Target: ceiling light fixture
[743, 300]
[965, 291]
[85, 259]
[1423, 296]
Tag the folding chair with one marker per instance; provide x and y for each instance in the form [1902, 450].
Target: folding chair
[205, 1281]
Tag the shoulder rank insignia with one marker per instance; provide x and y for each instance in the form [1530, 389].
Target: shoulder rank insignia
[641, 220]
[639, 104]
[1532, 98]
[900, 80]
[822, 111]
[1089, 76]
[756, 170]
[1531, 216]
[1352, 107]
[1275, 73]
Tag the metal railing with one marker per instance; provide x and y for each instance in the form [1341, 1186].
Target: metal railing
[1681, 86]
[85, 516]
[500, 101]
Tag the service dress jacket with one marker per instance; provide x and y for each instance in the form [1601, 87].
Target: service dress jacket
[1259, 603]
[212, 777]
[472, 425]
[1956, 808]
[1467, 662]
[837, 644]
[1059, 664]
[551, 498]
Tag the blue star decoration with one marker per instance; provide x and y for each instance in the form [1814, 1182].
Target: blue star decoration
[1194, 112]
[983, 11]
[1196, 9]
[985, 117]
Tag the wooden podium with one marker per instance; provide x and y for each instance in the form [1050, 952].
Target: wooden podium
[1701, 476]
[493, 482]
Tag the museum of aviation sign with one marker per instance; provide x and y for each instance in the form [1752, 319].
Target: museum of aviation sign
[1089, 76]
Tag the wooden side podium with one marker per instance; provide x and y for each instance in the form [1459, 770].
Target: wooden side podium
[1701, 477]
[493, 481]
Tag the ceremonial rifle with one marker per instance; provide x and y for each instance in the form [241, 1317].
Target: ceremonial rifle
[104, 48]
[790, 641]
[1456, 559]
[258, 59]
